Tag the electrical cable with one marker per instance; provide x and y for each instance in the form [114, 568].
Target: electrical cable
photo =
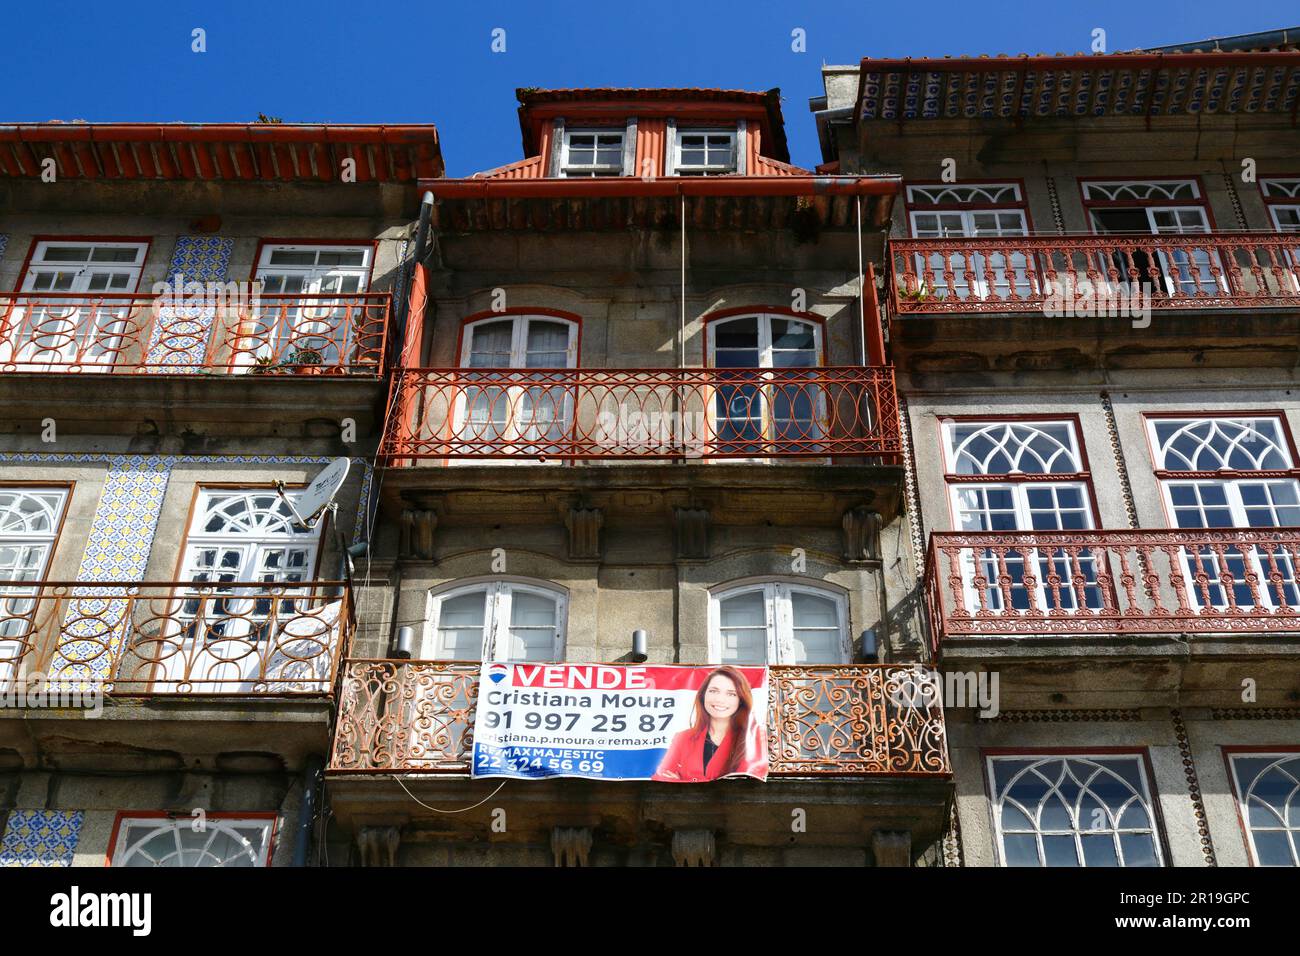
[435, 809]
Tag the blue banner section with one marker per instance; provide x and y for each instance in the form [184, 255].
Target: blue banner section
[535, 761]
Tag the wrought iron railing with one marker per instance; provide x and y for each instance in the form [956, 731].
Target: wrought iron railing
[1094, 275]
[1013, 583]
[864, 720]
[159, 335]
[670, 413]
[131, 638]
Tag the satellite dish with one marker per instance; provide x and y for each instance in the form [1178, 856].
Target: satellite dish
[318, 496]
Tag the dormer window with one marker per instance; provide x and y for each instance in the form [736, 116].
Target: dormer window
[704, 152]
[591, 152]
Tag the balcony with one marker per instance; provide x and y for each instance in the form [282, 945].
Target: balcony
[838, 721]
[643, 414]
[1033, 273]
[177, 676]
[183, 368]
[114, 333]
[1113, 302]
[176, 638]
[1181, 612]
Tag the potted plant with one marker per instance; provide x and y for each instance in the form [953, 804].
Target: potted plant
[306, 362]
[263, 365]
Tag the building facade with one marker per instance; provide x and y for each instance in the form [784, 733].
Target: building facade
[978, 437]
[1091, 304]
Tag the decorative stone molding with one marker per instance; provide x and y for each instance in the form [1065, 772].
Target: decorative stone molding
[1126, 487]
[694, 848]
[952, 841]
[584, 526]
[910, 489]
[1230, 187]
[378, 845]
[416, 533]
[571, 845]
[861, 528]
[692, 532]
[1255, 713]
[1061, 716]
[1194, 788]
[1058, 220]
[892, 847]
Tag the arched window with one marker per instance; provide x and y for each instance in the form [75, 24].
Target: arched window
[496, 621]
[29, 522]
[154, 841]
[516, 412]
[777, 406]
[1268, 794]
[1077, 810]
[778, 623]
[1230, 472]
[1021, 476]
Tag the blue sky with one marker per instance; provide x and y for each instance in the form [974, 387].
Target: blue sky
[375, 62]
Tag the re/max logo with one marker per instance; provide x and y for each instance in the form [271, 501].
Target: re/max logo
[580, 677]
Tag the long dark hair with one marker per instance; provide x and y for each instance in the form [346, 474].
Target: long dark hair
[739, 729]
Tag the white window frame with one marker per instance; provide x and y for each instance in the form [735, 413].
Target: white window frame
[768, 429]
[1232, 493]
[1277, 190]
[1243, 790]
[513, 431]
[228, 658]
[498, 595]
[316, 274]
[214, 826]
[253, 545]
[1146, 797]
[1181, 275]
[15, 593]
[708, 169]
[779, 619]
[282, 323]
[1019, 492]
[1111, 190]
[519, 337]
[91, 343]
[594, 170]
[960, 224]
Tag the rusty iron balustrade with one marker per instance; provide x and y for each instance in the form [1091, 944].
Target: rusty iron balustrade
[1029, 273]
[121, 333]
[180, 637]
[668, 413]
[1014, 583]
[848, 720]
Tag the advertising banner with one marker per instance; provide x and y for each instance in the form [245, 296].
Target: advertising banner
[608, 722]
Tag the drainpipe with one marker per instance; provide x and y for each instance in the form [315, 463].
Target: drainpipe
[421, 238]
[311, 781]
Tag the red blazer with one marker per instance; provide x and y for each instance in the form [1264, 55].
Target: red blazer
[685, 757]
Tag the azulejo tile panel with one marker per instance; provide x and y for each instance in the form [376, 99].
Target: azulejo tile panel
[41, 837]
[180, 337]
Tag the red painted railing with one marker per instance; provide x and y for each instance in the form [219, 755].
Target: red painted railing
[665, 413]
[855, 719]
[1016, 584]
[138, 334]
[133, 638]
[1071, 275]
